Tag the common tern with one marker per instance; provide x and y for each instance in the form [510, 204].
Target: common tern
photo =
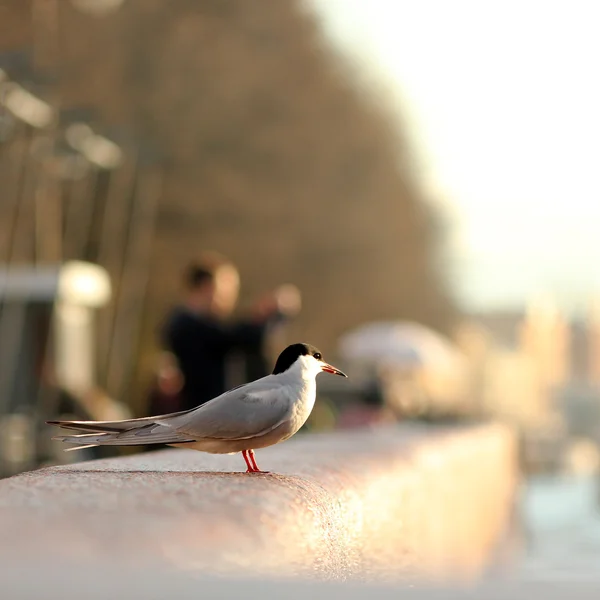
[252, 416]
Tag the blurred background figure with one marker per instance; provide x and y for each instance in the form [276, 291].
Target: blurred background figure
[202, 337]
[277, 308]
[165, 391]
[418, 371]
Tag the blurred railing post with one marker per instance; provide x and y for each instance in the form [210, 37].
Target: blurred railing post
[115, 227]
[68, 193]
[35, 118]
[135, 277]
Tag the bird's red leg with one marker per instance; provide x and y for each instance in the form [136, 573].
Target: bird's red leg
[253, 459]
[251, 467]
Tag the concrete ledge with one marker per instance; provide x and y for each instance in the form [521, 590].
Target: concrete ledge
[384, 504]
[130, 584]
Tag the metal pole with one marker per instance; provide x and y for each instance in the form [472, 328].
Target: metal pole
[134, 283]
[13, 167]
[79, 213]
[20, 248]
[113, 244]
[48, 215]
[45, 22]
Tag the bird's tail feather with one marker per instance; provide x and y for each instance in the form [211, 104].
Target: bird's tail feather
[131, 432]
[130, 439]
[115, 426]
[80, 447]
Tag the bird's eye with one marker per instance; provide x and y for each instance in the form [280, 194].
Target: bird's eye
[317, 355]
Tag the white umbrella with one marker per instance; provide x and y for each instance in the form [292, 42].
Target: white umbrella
[399, 343]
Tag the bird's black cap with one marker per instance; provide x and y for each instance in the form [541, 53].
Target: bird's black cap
[289, 356]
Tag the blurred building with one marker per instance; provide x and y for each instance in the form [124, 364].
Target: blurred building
[539, 370]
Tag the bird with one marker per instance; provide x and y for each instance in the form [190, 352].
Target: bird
[255, 415]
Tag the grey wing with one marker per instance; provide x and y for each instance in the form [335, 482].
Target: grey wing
[247, 412]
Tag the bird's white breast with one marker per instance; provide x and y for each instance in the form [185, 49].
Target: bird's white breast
[302, 403]
[301, 389]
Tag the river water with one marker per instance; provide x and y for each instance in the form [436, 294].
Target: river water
[561, 527]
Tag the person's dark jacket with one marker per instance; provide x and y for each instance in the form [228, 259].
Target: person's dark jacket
[202, 345]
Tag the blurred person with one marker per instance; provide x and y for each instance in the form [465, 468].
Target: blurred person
[371, 411]
[165, 394]
[286, 300]
[200, 335]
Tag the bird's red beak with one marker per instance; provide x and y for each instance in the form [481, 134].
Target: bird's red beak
[329, 369]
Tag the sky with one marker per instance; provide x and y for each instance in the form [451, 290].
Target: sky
[502, 101]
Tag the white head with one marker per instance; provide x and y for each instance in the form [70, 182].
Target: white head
[306, 358]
